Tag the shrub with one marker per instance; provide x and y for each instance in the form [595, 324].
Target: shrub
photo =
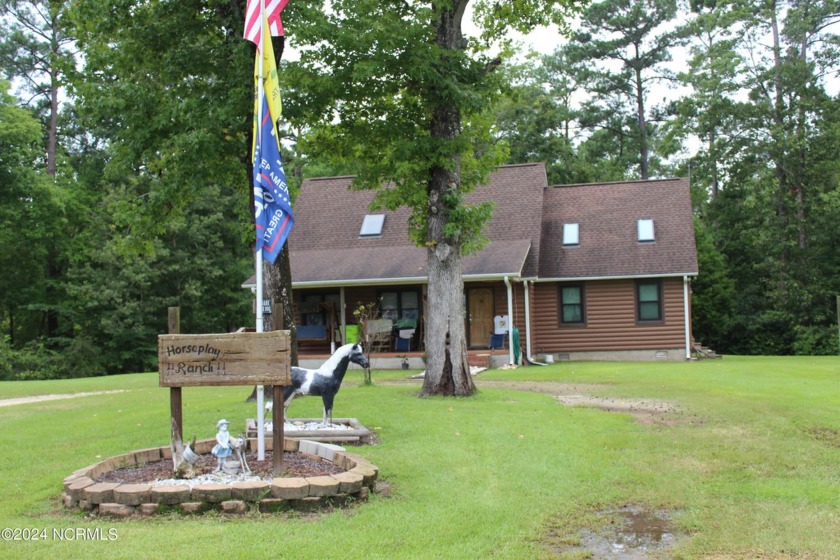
[37, 361]
[815, 340]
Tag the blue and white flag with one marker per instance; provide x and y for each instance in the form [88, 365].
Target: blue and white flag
[272, 204]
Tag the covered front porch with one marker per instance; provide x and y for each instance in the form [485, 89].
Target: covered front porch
[487, 358]
[328, 316]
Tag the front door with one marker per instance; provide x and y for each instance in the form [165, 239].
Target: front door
[480, 308]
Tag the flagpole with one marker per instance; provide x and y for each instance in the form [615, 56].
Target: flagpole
[259, 252]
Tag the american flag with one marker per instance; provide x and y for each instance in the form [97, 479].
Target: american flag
[253, 20]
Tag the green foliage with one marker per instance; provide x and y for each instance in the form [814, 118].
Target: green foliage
[817, 340]
[31, 213]
[120, 299]
[36, 360]
[188, 126]
[536, 122]
[629, 34]
[380, 80]
[713, 294]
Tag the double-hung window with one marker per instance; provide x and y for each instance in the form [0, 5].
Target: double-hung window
[572, 304]
[649, 300]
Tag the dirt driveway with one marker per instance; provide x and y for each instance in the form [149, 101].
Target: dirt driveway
[645, 411]
[42, 398]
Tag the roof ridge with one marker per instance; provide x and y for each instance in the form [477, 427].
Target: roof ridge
[505, 166]
[329, 178]
[629, 182]
[527, 164]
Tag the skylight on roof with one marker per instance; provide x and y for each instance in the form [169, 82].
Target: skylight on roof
[571, 234]
[645, 230]
[372, 225]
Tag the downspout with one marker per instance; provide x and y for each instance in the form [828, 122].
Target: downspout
[687, 319]
[510, 319]
[528, 355]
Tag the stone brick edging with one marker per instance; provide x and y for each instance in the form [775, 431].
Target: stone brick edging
[81, 491]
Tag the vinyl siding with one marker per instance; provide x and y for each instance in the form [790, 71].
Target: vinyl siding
[610, 319]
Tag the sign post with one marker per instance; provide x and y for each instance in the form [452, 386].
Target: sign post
[174, 324]
[201, 360]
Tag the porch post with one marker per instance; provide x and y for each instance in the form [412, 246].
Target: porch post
[510, 319]
[342, 321]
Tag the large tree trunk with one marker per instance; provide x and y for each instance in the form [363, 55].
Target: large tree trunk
[447, 369]
[278, 282]
[643, 132]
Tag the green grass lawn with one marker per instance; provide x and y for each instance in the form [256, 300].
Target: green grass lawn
[748, 467]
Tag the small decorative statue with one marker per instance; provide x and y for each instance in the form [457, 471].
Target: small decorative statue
[240, 445]
[223, 449]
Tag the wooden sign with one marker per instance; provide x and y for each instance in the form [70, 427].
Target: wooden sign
[248, 358]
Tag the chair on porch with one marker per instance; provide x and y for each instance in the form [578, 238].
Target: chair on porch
[404, 331]
[496, 341]
[500, 331]
[378, 335]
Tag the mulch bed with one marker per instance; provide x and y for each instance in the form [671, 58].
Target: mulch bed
[294, 465]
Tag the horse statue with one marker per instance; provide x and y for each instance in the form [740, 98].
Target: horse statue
[326, 380]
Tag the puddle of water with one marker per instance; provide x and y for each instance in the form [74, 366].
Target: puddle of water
[628, 533]
[631, 533]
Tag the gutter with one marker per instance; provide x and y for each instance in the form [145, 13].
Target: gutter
[528, 357]
[385, 281]
[619, 277]
[687, 319]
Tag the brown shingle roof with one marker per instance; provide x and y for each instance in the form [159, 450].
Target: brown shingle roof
[607, 214]
[325, 246]
[382, 265]
[525, 232]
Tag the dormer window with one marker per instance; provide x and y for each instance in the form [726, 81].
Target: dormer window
[645, 231]
[372, 225]
[571, 234]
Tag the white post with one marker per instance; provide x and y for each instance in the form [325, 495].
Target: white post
[526, 293]
[342, 304]
[260, 388]
[259, 255]
[510, 320]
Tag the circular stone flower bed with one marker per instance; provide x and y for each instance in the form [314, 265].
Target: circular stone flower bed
[317, 475]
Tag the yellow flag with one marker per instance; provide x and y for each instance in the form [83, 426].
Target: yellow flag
[273, 218]
[271, 83]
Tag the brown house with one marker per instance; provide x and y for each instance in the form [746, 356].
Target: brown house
[596, 271]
